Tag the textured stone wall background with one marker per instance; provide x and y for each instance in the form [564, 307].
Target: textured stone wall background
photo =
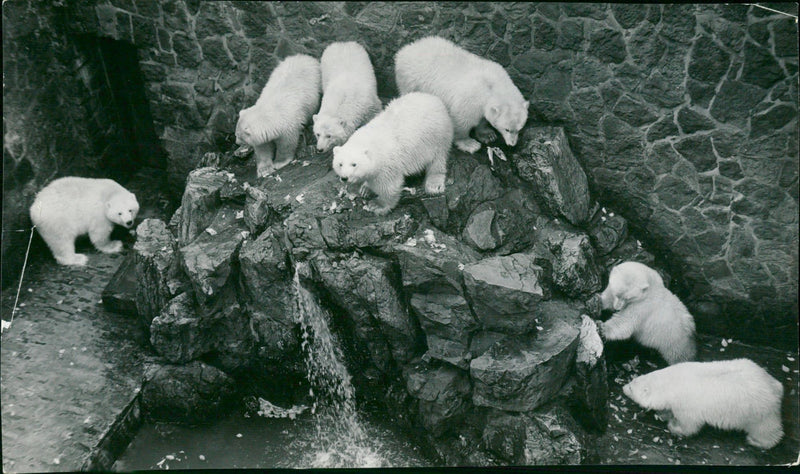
[683, 116]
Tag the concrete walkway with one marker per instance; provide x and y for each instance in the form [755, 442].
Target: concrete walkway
[69, 367]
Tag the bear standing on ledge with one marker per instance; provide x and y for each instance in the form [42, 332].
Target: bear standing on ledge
[349, 94]
[70, 207]
[471, 87]
[413, 134]
[647, 311]
[273, 125]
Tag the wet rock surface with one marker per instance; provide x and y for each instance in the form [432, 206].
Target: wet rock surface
[189, 393]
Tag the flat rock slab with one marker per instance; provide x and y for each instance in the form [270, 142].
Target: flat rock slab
[522, 372]
[503, 291]
[432, 262]
[69, 367]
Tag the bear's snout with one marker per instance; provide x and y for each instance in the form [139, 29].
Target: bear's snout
[343, 178]
[627, 390]
[128, 224]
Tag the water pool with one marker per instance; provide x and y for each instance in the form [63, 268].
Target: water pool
[240, 442]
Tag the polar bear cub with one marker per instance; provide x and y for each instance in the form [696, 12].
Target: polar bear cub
[349, 94]
[272, 126]
[413, 134]
[730, 395]
[70, 207]
[471, 87]
[647, 311]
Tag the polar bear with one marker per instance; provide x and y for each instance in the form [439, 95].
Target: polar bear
[414, 133]
[273, 125]
[349, 94]
[648, 311]
[471, 87]
[730, 395]
[71, 206]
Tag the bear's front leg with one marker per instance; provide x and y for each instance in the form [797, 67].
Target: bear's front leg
[285, 147]
[619, 327]
[468, 145]
[99, 235]
[684, 424]
[388, 190]
[264, 155]
[436, 173]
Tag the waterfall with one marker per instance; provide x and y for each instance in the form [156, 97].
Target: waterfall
[341, 440]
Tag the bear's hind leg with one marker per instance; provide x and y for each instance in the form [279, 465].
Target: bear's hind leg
[265, 153]
[99, 236]
[63, 248]
[765, 434]
[285, 146]
[436, 173]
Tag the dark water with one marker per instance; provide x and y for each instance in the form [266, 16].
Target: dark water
[256, 442]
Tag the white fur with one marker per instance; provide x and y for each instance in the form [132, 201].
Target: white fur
[648, 312]
[349, 94]
[273, 125]
[414, 133]
[70, 207]
[730, 395]
[471, 87]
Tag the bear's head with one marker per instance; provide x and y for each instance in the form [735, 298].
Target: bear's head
[122, 208]
[508, 117]
[629, 282]
[330, 132]
[352, 162]
[249, 129]
[648, 391]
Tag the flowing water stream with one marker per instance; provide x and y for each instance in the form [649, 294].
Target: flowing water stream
[333, 433]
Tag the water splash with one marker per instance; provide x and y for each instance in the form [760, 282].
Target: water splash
[341, 440]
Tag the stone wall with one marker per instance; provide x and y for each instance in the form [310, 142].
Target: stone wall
[44, 124]
[683, 116]
[64, 112]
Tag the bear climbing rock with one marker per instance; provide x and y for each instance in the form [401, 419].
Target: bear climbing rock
[647, 311]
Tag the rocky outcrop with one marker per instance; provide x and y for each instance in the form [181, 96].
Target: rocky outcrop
[443, 300]
[559, 183]
[503, 291]
[189, 393]
[520, 373]
[157, 269]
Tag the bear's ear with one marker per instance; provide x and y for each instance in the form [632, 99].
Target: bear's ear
[241, 112]
[314, 117]
[336, 149]
[342, 123]
[108, 204]
[526, 104]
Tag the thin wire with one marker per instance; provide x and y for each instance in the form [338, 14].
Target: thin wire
[773, 10]
[21, 276]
